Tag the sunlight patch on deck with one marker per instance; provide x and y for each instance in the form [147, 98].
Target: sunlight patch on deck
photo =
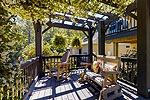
[70, 89]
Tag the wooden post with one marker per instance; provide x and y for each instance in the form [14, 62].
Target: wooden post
[90, 46]
[143, 48]
[38, 44]
[115, 49]
[101, 38]
[38, 39]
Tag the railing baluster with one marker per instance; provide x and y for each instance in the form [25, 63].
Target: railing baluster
[130, 64]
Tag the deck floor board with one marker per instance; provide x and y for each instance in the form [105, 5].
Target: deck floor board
[48, 88]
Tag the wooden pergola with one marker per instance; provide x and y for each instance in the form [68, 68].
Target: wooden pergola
[85, 25]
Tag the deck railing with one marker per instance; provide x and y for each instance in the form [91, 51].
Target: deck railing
[122, 24]
[54, 59]
[128, 66]
[129, 70]
[30, 71]
[74, 60]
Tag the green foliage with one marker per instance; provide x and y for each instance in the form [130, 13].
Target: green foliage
[130, 53]
[68, 34]
[60, 42]
[47, 50]
[47, 36]
[29, 51]
[40, 9]
[76, 42]
[10, 47]
[27, 30]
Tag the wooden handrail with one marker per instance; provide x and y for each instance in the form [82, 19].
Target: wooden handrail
[29, 62]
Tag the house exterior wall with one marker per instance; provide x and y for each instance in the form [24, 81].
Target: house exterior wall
[95, 49]
[84, 49]
[74, 51]
[122, 49]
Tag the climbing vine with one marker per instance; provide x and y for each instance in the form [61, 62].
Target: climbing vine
[40, 9]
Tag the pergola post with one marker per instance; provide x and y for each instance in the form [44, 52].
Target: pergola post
[143, 48]
[101, 38]
[38, 39]
[38, 45]
[90, 46]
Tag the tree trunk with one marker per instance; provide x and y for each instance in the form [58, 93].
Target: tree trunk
[29, 36]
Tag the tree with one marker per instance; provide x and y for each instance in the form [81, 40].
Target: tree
[27, 28]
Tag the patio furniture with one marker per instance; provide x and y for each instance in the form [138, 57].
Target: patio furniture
[106, 78]
[62, 67]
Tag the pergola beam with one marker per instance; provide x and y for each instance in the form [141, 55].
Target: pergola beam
[85, 34]
[131, 8]
[46, 29]
[107, 22]
[81, 21]
[132, 15]
[50, 24]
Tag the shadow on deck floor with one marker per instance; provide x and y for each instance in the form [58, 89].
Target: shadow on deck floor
[49, 89]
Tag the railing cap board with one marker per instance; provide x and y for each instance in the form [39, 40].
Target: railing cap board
[108, 57]
[78, 55]
[51, 56]
[29, 62]
[111, 59]
[128, 59]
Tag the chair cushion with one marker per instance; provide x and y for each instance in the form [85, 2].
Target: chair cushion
[96, 67]
[55, 69]
[110, 67]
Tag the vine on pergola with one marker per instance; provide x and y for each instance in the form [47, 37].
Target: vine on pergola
[40, 9]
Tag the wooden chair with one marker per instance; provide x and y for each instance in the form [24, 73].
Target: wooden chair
[62, 67]
[103, 78]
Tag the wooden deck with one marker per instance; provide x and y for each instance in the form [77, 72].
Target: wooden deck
[49, 89]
